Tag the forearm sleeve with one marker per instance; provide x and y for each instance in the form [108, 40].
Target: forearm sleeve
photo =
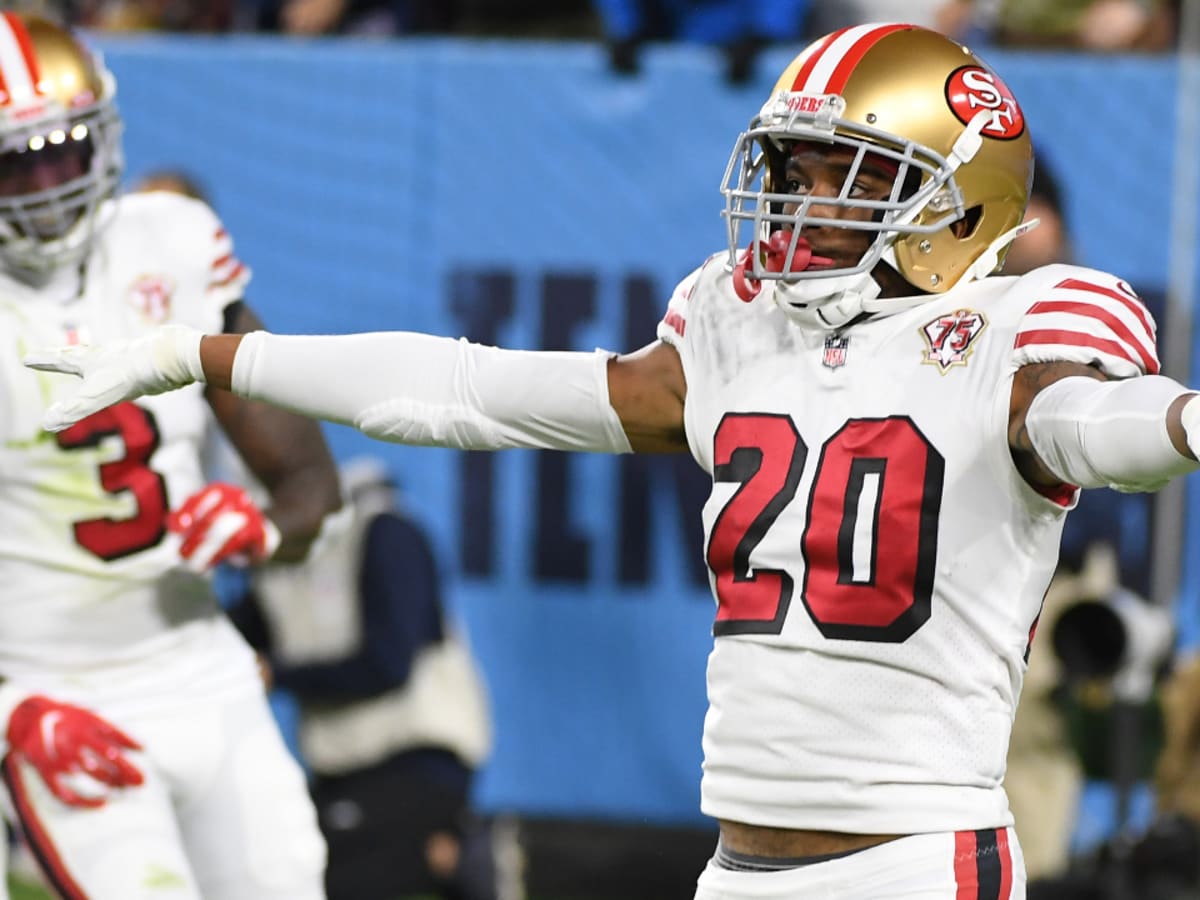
[418, 389]
[1108, 433]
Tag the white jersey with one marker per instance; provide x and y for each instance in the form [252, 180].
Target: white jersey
[877, 560]
[89, 572]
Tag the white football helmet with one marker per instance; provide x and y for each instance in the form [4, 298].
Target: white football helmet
[60, 144]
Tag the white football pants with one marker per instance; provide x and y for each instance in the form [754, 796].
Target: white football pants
[224, 813]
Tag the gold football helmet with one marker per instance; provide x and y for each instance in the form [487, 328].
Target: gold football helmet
[60, 144]
[897, 98]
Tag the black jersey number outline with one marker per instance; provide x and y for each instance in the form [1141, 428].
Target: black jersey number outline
[870, 538]
[110, 538]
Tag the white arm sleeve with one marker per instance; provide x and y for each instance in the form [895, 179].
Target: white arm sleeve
[418, 389]
[1108, 433]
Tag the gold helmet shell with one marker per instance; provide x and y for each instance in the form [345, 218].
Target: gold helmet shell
[931, 109]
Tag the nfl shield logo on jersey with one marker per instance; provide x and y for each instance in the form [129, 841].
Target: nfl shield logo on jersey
[835, 350]
[949, 339]
[151, 295]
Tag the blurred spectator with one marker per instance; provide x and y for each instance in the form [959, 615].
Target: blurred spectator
[545, 19]
[1177, 776]
[567, 19]
[360, 17]
[56, 10]
[393, 712]
[740, 28]
[1050, 242]
[144, 15]
[1161, 860]
[1095, 25]
[830, 15]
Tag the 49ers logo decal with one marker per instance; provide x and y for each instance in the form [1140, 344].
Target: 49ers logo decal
[971, 89]
[949, 339]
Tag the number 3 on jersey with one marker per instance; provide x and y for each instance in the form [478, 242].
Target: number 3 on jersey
[113, 538]
[870, 536]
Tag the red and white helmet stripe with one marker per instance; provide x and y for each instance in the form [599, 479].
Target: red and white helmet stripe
[827, 69]
[19, 75]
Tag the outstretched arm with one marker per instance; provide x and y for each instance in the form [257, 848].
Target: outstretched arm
[645, 388]
[402, 387]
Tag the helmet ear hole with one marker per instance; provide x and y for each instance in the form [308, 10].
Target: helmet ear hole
[965, 227]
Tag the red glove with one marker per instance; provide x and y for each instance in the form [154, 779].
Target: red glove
[221, 522]
[60, 741]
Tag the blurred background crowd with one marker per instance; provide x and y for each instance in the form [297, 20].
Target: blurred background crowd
[740, 27]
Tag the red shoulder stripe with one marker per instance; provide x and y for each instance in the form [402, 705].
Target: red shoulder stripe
[1076, 339]
[237, 270]
[1129, 301]
[1091, 311]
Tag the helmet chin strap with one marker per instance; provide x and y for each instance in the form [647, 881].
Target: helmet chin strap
[986, 264]
[828, 303]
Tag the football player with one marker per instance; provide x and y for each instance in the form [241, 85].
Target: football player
[894, 431]
[108, 531]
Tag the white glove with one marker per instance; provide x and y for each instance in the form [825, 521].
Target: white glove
[162, 360]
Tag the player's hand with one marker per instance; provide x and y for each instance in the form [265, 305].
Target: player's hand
[162, 360]
[65, 742]
[221, 523]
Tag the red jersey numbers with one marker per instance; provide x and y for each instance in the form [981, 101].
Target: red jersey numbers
[870, 542]
[870, 537]
[113, 538]
[764, 454]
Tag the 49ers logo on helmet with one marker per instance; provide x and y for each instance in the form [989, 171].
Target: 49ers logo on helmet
[971, 89]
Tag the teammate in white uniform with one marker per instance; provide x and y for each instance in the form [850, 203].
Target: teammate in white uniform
[894, 439]
[107, 529]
